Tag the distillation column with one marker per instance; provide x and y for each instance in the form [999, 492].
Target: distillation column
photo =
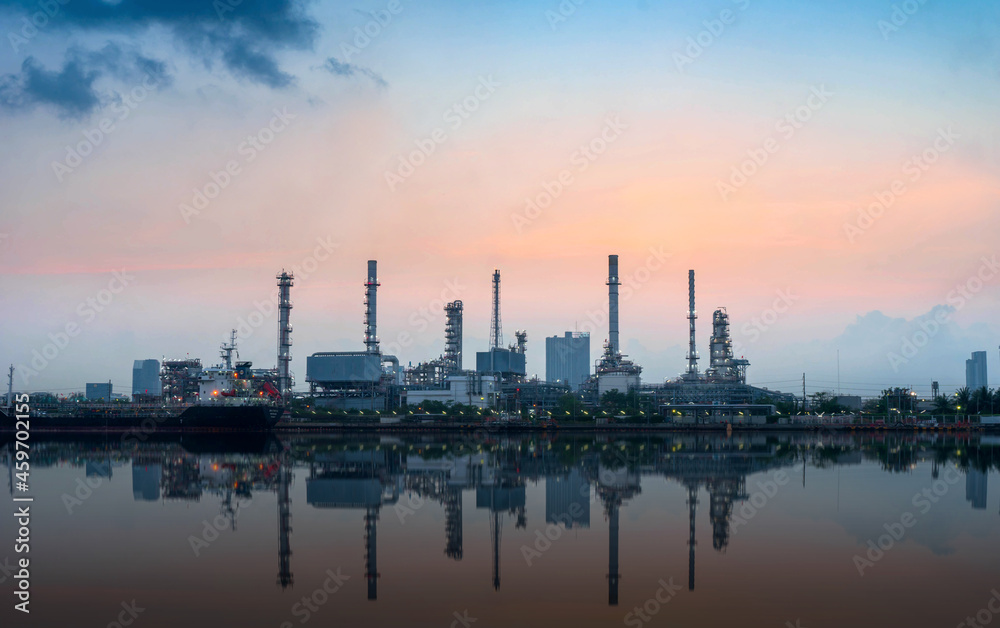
[453, 335]
[692, 370]
[496, 332]
[285, 283]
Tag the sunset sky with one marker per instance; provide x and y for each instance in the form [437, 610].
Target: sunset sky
[117, 117]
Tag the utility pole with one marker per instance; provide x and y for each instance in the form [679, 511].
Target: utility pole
[804, 402]
[10, 388]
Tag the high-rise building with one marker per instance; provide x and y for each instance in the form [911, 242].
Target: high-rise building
[975, 371]
[99, 392]
[567, 358]
[567, 500]
[146, 378]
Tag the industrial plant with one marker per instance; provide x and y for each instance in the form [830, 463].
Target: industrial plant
[368, 380]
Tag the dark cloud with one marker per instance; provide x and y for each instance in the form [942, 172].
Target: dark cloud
[349, 69]
[243, 34]
[71, 90]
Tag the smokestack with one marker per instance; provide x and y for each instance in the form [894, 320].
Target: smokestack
[613, 284]
[496, 333]
[371, 288]
[284, 334]
[692, 315]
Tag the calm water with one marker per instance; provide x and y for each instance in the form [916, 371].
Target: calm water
[512, 531]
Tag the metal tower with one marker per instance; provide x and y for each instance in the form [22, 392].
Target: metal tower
[496, 333]
[692, 370]
[226, 350]
[371, 288]
[285, 283]
[613, 284]
[453, 335]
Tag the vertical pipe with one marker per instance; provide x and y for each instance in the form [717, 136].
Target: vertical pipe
[371, 290]
[613, 284]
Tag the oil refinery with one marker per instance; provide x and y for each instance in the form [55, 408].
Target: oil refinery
[371, 381]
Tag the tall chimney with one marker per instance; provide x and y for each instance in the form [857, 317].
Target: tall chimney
[496, 332]
[613, 284]
[371, 288]
[284, 334]
[692, 370]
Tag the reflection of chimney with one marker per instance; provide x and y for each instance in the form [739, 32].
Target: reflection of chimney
[613, 574]
[371, 288]
[613, 284]
[371, 548]
[692, 315]
[693, 504]
[284, 524]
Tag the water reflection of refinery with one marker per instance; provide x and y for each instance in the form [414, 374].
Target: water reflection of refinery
[399, 476]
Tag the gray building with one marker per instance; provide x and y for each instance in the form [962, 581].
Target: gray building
[146, 378]
[975, 371]
[99, 392]
[567, 358]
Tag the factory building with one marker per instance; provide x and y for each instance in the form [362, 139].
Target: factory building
[471, 389]
[567, 359]
[975, 371]
[98, 392]
[356, 380]
[146, 380]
